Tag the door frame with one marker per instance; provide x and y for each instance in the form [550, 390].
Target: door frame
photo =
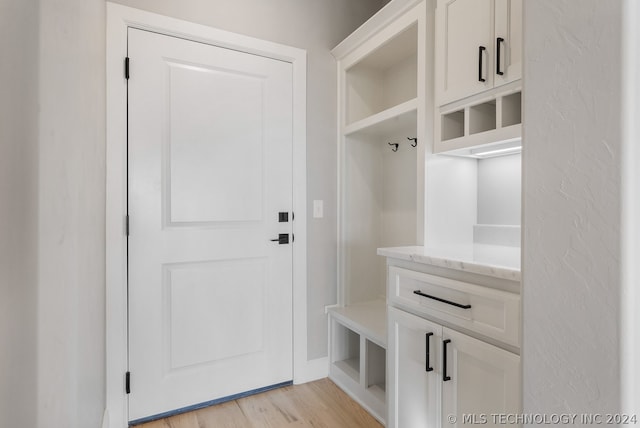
[119, 19]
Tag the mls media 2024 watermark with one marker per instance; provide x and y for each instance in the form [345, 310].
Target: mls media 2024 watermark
[544, 419]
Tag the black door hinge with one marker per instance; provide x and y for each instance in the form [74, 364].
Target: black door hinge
[126, 68]
[127, 382]
[126, 225]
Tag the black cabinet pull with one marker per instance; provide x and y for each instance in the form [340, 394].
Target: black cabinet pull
[426, 339]
[499, 40]
[481, 49]
[444, 360]
[448, 302]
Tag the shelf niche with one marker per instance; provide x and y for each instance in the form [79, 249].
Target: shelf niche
[347, 351]
[379, 205]
[474, 201]
[385, 78]
[482, 121]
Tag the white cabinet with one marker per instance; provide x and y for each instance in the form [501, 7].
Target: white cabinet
[487, 311]
[414, 375]
[508, 24]
[478, 46]
[478, 379]
[464, 34]
[441, 377]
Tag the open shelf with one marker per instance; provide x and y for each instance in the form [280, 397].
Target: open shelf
[384, 78]
[482, 117]
[358, 353]
[376, 362]
[387, 122]
[350, 367]
[483, 120]
[512, 109]
[453, 125]
[346, 354]
[366, 318]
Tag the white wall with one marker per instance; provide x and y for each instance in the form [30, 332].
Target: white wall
[572, 206]
[71, 251]
[52, 213]
[18, 215]
[499, 190]
[52, 189]
[630, 365]
[316, 26]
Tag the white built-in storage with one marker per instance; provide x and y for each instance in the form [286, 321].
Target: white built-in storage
[454, 340]
[454, 302]
[473, 170]
[478, 47]
[478, 67]
[381, 82]
[430, 165]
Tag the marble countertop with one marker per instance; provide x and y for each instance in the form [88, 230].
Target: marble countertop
[492, 260]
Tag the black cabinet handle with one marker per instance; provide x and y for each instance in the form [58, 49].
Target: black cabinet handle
[499, 40]
[481, 49]
[448, 302]
[444, 360]
[427, 336]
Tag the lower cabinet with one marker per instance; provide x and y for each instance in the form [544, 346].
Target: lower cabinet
[438, 377]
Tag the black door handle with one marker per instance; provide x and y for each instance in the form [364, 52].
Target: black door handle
[499, 41]
[427, 336]
[444, 360]
[481, 49]
[283, 238]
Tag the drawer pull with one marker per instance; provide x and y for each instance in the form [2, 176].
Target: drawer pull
[445, 377]
[427, 367]
[448, 302]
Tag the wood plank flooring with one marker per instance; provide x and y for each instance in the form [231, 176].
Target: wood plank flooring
[319, 404]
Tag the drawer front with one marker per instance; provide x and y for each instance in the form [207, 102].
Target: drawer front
[490, 312]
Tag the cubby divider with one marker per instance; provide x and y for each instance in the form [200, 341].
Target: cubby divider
[479, 120]
[357, 352]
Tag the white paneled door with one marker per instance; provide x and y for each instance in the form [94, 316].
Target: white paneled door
[209, 171]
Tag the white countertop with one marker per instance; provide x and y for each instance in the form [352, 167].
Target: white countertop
[492, 260]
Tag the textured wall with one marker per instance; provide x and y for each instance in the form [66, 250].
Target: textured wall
[18, 216]
[71, 250]
[572, 206]
[316, 26]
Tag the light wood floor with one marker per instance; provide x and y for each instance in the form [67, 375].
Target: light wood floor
[319, 404]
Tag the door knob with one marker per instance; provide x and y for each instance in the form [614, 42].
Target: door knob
[283, 238]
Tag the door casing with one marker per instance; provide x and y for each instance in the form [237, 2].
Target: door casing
[119, 19]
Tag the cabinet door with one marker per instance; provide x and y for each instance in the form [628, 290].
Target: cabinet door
[464, 48]
[484, 380]
[413, 389]
[508, 41]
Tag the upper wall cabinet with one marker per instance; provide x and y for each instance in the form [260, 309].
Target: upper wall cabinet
[478, 46]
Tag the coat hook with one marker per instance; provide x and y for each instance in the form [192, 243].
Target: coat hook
[414, 143]
[395, 146]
